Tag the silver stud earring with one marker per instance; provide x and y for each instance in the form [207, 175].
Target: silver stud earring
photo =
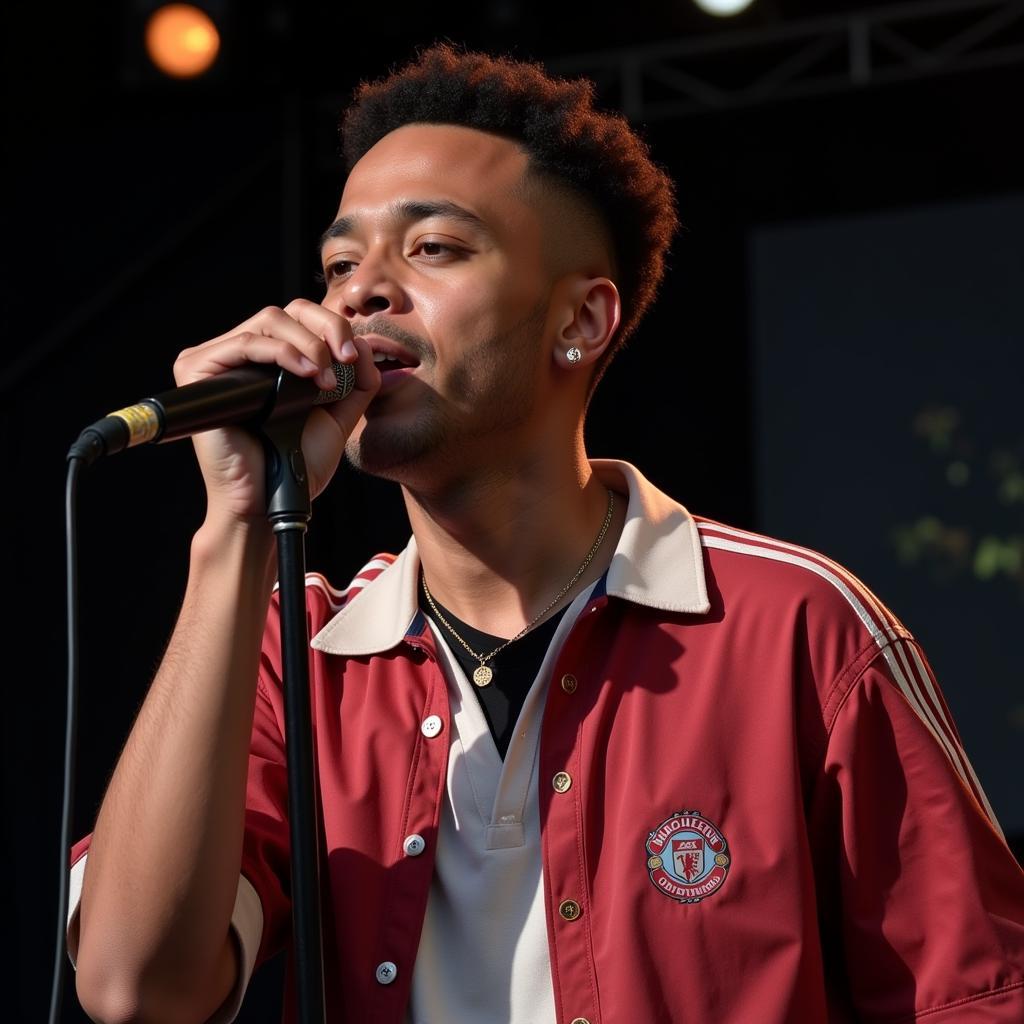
[574, 355]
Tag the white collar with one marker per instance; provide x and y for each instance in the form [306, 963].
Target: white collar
[657, 563]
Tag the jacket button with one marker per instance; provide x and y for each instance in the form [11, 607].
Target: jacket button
[561, 781]
[414, 845]
[569, 683]
[570, 909]
[431, 726]
[386, 972]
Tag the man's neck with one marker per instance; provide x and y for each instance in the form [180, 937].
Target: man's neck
[498, 547]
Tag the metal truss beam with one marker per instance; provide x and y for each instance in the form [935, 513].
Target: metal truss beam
[815, 57]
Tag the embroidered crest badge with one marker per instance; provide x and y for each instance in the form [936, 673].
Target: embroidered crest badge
[687, 857]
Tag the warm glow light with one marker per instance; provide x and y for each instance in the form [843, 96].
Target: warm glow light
[181, 40]
[723, 8]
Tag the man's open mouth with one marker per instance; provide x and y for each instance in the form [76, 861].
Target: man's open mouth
[385, 362]
[392, 357]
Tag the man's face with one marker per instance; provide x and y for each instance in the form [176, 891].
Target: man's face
[437, 258]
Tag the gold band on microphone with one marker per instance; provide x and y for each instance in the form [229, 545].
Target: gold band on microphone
[142, 422]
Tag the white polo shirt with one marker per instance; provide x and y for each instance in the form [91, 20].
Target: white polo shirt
[483, 954]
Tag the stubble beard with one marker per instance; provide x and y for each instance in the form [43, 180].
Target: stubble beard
[383, 449]
[497, 377]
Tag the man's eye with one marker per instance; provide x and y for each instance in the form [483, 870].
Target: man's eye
[436, 250]
[338, 269]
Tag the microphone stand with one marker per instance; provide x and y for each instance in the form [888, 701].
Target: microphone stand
[289, 510]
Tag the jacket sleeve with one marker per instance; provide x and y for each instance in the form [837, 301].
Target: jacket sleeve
[266, 845]
[924, 904]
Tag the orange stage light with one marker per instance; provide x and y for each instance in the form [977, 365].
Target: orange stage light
[182, 40]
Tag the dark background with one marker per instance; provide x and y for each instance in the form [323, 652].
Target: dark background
[143, 216]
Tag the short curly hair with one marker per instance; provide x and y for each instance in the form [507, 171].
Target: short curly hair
[596, 154]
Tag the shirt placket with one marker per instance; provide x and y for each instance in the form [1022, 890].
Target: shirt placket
[561, 812]
[412, 852]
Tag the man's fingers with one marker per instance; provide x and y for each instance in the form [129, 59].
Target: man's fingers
[209, 360]
[367, 374]
[216, 356]
[322, 322]
[307, 327]
[347, 412]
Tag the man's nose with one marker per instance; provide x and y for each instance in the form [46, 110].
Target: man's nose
[371, 289]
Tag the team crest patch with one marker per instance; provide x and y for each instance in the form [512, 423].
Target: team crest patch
[687, 857]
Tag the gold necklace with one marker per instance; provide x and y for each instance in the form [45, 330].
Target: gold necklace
[483, 674]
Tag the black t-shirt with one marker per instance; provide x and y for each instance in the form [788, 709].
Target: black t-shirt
[515, 668]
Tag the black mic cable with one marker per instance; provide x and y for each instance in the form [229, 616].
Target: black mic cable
[70, 731]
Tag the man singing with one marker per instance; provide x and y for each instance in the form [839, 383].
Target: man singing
[583, 756]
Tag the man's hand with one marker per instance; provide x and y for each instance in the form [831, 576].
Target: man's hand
[303, 338]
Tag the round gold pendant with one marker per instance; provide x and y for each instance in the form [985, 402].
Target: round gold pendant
[482, 676]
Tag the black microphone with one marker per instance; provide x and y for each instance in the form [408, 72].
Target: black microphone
[247, 395]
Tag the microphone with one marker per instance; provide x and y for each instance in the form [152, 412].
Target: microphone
[248, 395]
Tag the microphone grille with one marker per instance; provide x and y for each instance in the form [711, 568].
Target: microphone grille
[345, 375]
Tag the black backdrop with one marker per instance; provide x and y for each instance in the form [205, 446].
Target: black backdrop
[142, 218]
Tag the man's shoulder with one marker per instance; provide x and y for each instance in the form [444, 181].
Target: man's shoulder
[755, 573]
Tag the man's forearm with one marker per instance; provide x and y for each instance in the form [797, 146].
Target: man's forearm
[163, 866]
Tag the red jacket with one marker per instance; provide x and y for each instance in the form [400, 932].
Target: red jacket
[771, 818]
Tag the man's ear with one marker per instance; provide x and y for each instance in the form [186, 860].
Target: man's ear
[591, 314]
